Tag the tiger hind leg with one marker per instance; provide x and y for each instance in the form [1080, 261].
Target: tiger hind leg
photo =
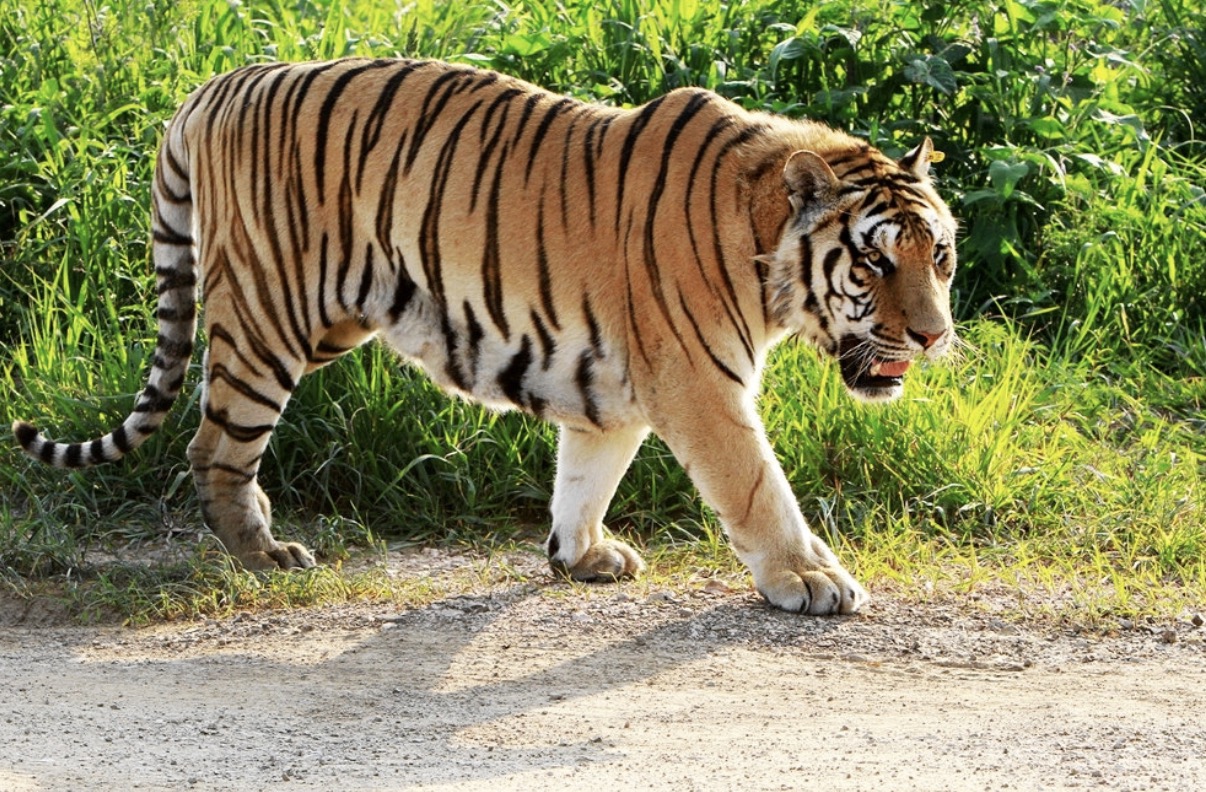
[243, 399]
[589, 468]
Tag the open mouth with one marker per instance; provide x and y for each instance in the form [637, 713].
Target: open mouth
[866, 374]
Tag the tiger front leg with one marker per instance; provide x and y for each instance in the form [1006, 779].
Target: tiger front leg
[730, 460]
[590, 465]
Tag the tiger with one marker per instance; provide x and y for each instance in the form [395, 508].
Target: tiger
[613, 271]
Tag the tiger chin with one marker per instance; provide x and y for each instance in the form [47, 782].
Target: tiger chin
[613, 271]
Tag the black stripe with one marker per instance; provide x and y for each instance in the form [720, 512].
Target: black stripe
[265, 293]
[404, 291]
[271, 230]
[167, 235]
[428, 115]
[264, 133]
[168, 279]
[633, 326]
[323, 317]
[185, 313]
[856, 154]
[584, 378]
[280, 372]
[476, 334]
[565, 152]
[547, 345]
[529, 105]
[231, 470]
[169, 157]
[366, 277]
[176, 350]
[728, 372]
[483, 160]
[237, 432]
[429, 234]
[830, 261]
[297, 194]
[450, 363]
[220, 372]
[153, 401]
[634, 131]
[46, 452]
[590, 152]
[696, 103]
[375, 121]
[806, 266]
[389, 194]
[550, 115]
[121, 440]
[165, 193]
[325, 114]
[96, 451]
[328, 352]
[492, 281]
[299, 101]
[483, 80]
[347, 237]
[510, 379]
[596, 340]
[26, 434]
[542, 266]
[75, 453]
[733, 307]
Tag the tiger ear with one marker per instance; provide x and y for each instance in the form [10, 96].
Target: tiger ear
[807, 177]
[917, 161]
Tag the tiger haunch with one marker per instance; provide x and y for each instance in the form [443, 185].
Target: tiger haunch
[613, 271]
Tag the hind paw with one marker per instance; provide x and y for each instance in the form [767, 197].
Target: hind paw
[285, 555]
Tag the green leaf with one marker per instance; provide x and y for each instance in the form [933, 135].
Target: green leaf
[788, 50]
[1005, 175]
[1050, 128]
[931, 70]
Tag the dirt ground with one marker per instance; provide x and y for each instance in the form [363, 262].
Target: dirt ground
[539, 686]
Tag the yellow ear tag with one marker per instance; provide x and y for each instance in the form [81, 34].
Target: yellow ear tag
[936, 156]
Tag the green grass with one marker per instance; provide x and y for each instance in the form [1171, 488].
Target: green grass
[1065, 451]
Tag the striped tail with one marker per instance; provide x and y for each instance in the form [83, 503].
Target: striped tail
[176, 277]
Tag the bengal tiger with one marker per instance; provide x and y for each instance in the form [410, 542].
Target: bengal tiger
[614, 271]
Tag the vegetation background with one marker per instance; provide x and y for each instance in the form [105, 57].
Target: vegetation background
[1067, 450]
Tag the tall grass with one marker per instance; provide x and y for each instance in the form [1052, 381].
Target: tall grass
[1072, 435]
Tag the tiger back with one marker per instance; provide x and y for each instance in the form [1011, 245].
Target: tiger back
[612, 271]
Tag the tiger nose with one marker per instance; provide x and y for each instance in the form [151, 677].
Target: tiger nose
[926, 338]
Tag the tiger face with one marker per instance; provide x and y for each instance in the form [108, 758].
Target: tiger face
[865, 264]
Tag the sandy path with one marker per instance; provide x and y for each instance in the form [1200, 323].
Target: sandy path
[535, 687]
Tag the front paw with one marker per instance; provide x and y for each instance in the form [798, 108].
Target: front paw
[605, 561]
[818, 591]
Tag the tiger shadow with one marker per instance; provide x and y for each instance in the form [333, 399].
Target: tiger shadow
[472, 672]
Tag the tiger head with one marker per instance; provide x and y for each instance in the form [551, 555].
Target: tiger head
[864, 264]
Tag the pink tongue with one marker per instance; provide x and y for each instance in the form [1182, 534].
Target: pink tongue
[894, 369]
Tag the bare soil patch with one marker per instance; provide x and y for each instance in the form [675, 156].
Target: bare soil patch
[540, 686]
